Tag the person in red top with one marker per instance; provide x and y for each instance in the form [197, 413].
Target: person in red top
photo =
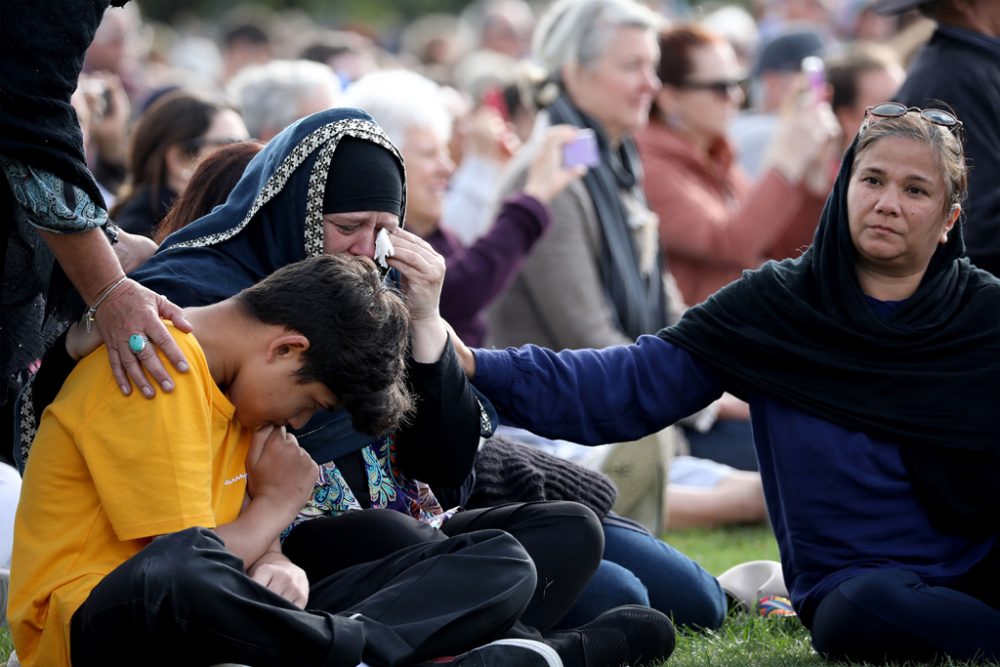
[714, 222]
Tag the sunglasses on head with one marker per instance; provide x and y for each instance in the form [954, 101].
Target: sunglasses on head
[720, 87]
[931, 115]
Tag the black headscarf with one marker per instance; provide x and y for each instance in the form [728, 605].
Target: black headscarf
[927, 377]
[274, 215]
[367, 179]
[638, 300]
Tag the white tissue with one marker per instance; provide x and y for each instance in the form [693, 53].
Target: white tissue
[383, 248]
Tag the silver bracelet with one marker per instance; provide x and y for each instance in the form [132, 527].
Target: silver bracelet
[91, 312]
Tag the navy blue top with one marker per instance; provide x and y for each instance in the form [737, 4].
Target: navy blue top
[840, 502]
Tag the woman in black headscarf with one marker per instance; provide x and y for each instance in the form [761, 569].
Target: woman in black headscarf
[328, 184]
[871, 366]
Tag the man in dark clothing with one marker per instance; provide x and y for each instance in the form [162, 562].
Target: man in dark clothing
[961, 67]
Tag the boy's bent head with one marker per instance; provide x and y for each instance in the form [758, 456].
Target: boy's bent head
[357, 331]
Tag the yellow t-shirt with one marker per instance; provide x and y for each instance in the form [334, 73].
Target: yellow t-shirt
[106, 474]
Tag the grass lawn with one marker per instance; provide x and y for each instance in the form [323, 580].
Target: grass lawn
[744, 640]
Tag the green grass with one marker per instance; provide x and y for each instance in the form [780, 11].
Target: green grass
[6, 646]
[744, 640]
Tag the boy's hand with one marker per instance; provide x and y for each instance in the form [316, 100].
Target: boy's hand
[278, 574]
[278, 469]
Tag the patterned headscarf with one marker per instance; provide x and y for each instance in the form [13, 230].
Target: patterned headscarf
[273, 217]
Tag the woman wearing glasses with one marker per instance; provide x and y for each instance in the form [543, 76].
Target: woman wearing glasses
[870, 365]
[713, 222]
[169, 140]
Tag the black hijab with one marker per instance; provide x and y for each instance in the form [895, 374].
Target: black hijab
[926, 377]
[274, 215]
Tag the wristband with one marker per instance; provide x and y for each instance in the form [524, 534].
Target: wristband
[88, 315]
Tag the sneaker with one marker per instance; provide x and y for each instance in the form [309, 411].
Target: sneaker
[508, 653]
[774, 606]
[630, 635]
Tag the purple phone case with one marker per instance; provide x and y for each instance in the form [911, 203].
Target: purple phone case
[582, 150]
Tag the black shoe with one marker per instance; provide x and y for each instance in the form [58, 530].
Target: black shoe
[509, 653]
[630, 635]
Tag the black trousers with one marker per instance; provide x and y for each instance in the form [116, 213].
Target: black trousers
[564, 540]
[892, 615]
[185, 600]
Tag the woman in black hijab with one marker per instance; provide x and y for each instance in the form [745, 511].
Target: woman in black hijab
[871, 366]
[328, 184]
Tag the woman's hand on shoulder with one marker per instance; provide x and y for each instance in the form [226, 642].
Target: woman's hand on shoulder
[133, 310]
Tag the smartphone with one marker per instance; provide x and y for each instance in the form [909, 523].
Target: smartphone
[582, 150]
[815, 72]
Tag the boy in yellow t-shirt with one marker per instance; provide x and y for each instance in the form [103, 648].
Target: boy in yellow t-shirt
[147, 529]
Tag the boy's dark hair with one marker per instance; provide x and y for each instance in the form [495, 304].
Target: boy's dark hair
[358, 331]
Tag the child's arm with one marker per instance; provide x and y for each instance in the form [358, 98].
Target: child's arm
[280, 478]
[275, 572]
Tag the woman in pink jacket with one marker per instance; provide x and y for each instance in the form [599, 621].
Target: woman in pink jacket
[714, 222]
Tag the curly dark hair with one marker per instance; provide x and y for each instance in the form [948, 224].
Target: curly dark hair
[358, 330]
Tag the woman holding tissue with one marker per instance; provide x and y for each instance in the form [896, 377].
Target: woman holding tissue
[411, 109]
[333, 182]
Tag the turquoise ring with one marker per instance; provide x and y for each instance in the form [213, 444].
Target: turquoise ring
[137, 343]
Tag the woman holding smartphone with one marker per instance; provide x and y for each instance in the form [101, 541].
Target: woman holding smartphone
[597, 278]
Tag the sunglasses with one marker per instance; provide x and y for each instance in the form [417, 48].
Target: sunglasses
[931, 115]
[720, 87]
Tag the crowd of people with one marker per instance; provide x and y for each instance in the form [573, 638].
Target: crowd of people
[415, 316]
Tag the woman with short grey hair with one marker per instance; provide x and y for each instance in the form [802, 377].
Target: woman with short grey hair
[597, 278]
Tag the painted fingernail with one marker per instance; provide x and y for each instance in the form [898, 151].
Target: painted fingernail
[147, 392]
[167, 385]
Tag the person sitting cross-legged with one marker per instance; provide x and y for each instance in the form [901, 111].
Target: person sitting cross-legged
[168, 553]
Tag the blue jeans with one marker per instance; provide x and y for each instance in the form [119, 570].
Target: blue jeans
[641, 569]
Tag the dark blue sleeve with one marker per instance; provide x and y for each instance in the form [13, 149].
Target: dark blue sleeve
[595, 396]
